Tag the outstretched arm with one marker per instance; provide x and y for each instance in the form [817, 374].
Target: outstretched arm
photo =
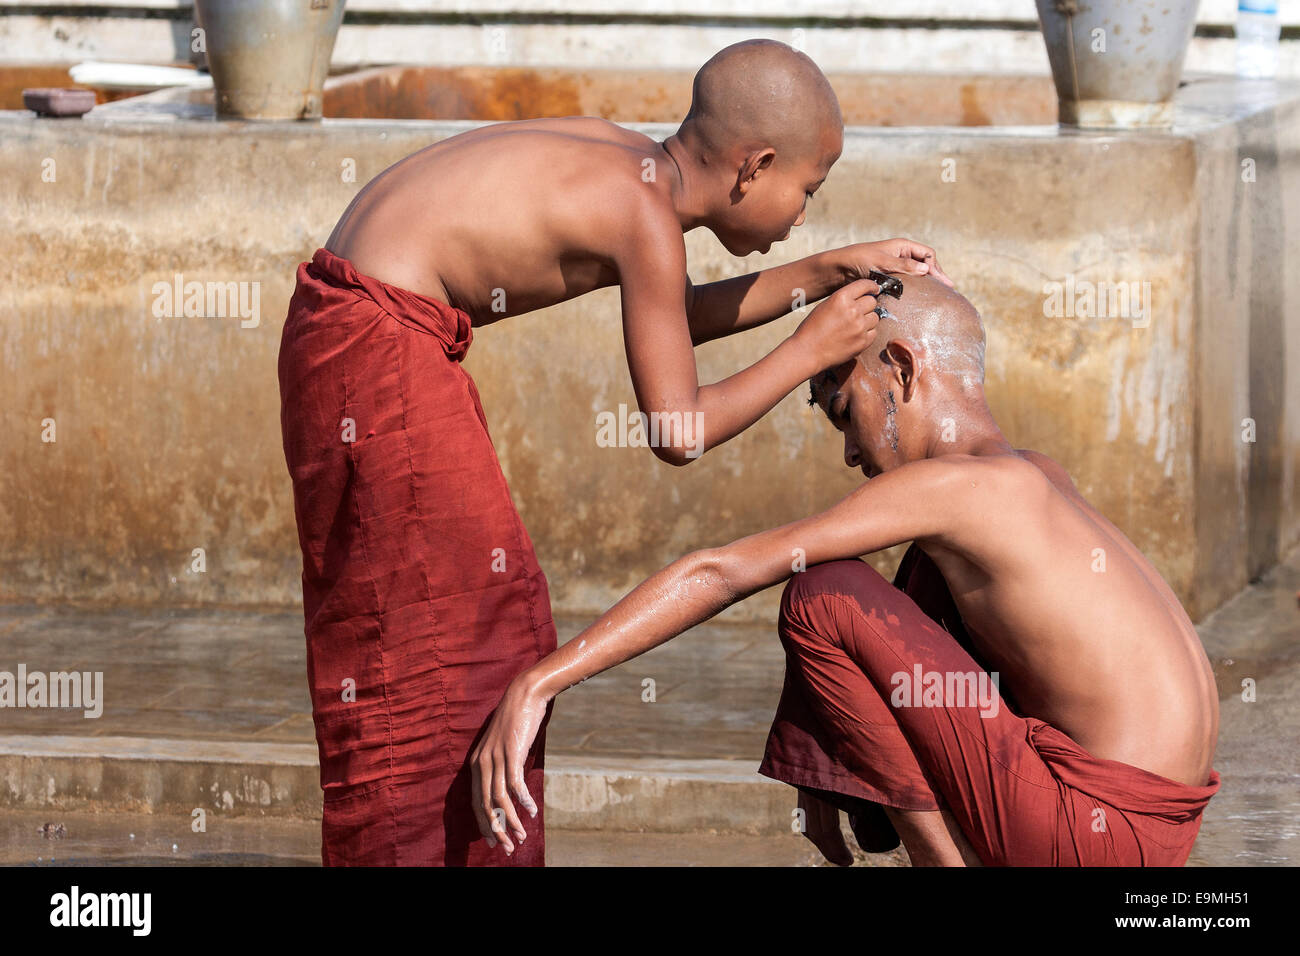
[920, 500]
[651, 263]
[728, 306]
[744, 302]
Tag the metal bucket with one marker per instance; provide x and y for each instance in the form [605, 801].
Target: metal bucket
[1117, 63]
[269, 58]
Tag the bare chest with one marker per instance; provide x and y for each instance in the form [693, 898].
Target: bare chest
[531, 279]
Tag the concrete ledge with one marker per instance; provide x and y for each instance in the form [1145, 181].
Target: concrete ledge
[156, 748]
[158, 775]
[665, 796]
[162, 775]
[951, 35]
[1219, 12]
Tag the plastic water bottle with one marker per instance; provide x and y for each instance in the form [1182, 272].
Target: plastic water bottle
[1258, 30]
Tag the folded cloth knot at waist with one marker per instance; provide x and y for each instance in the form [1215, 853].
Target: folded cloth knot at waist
[1129, 788]
[451, 326]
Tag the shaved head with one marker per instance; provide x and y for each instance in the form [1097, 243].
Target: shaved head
[761, 93]
[918, 390]
[940, 322]
[935, 322]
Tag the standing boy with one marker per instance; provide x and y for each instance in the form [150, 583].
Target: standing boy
[422, 594]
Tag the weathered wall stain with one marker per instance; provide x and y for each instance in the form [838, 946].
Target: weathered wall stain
[168, 428]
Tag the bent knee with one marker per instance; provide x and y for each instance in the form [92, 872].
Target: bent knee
[845, 577]
[814, 590]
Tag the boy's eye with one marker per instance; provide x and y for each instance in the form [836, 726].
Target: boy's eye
[838, 407]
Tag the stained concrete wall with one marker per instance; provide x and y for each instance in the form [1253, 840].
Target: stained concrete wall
[1249, 352]
[167, 428]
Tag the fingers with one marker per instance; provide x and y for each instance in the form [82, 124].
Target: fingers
[504, 807]
[907, 267]
[939, 274]
[907, 249]
[859, 288]
[481, 762]
[515, 773]
[862, 294]
[867, 304]
[492, 807]
[925, 257]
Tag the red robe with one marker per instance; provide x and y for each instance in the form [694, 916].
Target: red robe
[1023, 792]
[422, 596]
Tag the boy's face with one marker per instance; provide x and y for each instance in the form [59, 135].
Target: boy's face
[861, 408]
[771, 195]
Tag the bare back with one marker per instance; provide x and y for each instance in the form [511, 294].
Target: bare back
[502, 219]
[1081, 627]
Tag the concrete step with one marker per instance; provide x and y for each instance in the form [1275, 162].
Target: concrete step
[245, 778]
[163, 839]
[207, 708]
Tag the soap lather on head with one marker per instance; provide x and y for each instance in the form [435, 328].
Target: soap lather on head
[923, 371]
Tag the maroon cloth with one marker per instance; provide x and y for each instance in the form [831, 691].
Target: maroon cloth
[420, 585]
[1023, 792]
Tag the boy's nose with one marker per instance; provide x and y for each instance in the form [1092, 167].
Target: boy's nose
[852, 457]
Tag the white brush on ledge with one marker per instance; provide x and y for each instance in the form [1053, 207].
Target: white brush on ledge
[137, 76]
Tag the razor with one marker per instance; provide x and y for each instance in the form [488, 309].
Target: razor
[889, 285]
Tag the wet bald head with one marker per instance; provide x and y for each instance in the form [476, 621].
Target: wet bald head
[761, 93]
[939, 324]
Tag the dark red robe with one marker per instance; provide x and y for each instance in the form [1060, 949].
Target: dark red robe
[1023, 792]
[422, 595]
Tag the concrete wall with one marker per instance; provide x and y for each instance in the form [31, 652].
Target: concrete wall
[949, 35]
[167, 428]
[1249, 354]
[664, 95]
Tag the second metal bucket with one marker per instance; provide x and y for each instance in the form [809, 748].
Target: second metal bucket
[1117, 63]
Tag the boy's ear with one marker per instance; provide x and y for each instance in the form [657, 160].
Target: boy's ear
[755, 163]
[902, 361]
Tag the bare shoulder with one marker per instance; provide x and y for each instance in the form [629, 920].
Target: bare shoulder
[598, 128]
[963, 492]
[647, 224]
[970, 491]
[1054, 471]
[585, 127]
[603, 198]
[984, 473]
[586, 145]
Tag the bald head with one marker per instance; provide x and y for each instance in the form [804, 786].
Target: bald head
[761, 93]
[939, 323]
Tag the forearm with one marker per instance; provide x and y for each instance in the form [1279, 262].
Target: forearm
[923, 499]
[743, 302]
[728, 407]
[687, 592]
[724, 409]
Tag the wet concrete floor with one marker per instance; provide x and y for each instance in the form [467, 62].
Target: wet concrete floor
[150, 839]
[235, 675]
